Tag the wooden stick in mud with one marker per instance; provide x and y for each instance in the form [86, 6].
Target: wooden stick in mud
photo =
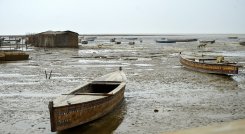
[46, 74]
[50, 74]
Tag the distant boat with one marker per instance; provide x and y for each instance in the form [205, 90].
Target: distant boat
[90, 38]
[207, 41]
[13, 55]
[242, 43]
[117, 42]
[232, 37]
[87, 102]
[131, 43]
[84, 42]
[208, 65]
[183, 40]
[131, 38]
[165, 41]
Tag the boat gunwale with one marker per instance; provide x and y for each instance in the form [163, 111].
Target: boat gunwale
[215, 64]
[118, 88]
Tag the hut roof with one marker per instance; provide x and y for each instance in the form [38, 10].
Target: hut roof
[58, 32]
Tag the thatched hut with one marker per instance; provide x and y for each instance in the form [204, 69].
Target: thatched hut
[55, 39]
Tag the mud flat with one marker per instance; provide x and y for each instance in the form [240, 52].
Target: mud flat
[160, 96]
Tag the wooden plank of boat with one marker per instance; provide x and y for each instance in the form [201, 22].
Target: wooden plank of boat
[209, 67]
[87, 102]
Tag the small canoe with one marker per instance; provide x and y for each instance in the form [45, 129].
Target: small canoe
[87, 102]
[208, 65]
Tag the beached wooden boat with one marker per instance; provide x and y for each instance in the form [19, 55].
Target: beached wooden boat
[87, 102]
[165, 41]
[232, 37]
[182, 40]
[90, 38]
[206, 41]
[13, 55]
[131, 38]
[172, 40]
[209, 65]
[242, 43]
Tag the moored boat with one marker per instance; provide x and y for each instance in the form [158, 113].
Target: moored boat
[87, 102]
[182, 40]
[207, 41]
[172, 40]
[90, 38]
[165, 41]
[242, 43]
[13, 55]
[209, 65]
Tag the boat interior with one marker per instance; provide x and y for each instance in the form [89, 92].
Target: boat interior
[91, 91]
[98, 87]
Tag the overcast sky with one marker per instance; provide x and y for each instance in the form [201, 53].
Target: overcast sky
[122, 16]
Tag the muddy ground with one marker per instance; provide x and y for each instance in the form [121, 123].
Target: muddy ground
[160, 94]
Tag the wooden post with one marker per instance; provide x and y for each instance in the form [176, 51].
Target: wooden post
[50, 74]
[46, 75]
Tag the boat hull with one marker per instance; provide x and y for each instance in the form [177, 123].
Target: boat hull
[13, 56]
[165, 41]
[69, 116]
[226, 69]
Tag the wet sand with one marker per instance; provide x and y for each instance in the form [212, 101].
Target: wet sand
[160, 94]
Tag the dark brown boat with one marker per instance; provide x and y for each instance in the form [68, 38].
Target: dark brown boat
[242, 43]
[208, 65]
[207, 41]
[13, 55]
[87, 102]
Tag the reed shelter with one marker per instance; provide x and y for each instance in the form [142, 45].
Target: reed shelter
[55, 39]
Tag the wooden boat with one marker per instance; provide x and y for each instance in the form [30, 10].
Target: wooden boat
[87, 102]
[131, 38]
[13, 55]
[165, 41]
[206, 41]
[182, 40]
[208, 65]
[242, 43]
[232, 37]
[90, 38]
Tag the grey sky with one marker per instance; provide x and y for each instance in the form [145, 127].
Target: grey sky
[122, 16]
